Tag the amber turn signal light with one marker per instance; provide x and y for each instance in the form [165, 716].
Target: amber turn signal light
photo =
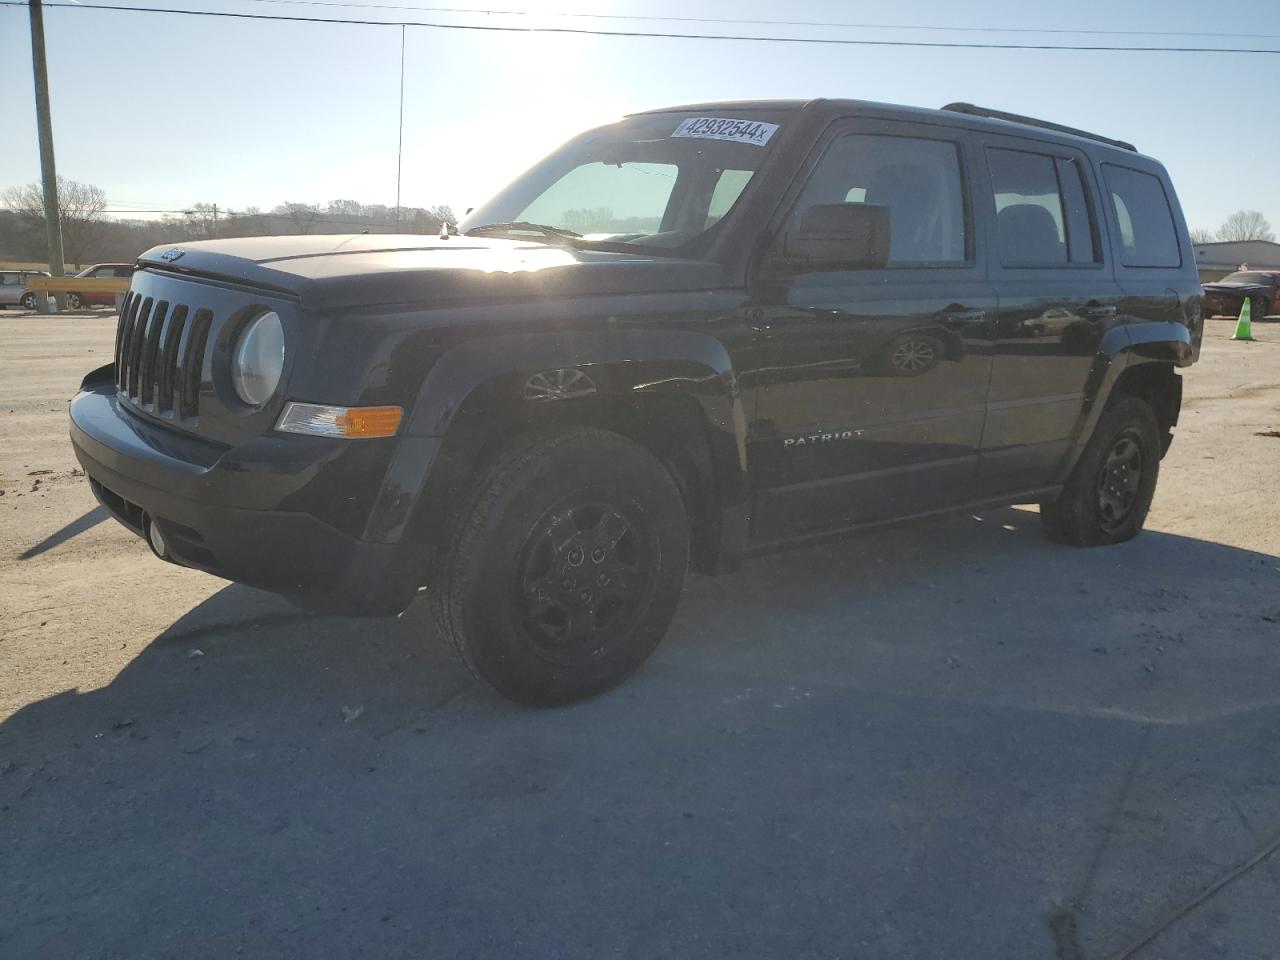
[323, 420]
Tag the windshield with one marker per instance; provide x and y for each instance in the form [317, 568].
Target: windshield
[1263, 278]
[659, 181]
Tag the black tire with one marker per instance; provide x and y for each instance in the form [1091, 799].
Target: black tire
[564, 569]
[73, 301]
[28, 301]
[1107, 496]
[1260, 308]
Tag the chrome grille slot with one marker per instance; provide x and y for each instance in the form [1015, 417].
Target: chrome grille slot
[137, 340]
[192, 351]
[167, 361]
[147, 376]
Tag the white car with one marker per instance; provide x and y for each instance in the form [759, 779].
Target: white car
[13, 288]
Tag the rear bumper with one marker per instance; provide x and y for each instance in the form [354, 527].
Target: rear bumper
[226, 510]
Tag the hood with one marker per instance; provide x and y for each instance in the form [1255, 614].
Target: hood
[331, 271]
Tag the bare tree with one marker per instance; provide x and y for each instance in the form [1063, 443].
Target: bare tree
[442, 213]
[1246, 225]
[80, 209]
[1202, 235]
[302, 217]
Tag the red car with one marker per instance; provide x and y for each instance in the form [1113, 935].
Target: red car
[99, 271]
[1224, 298]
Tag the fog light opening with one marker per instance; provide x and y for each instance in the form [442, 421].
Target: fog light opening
[155, 538]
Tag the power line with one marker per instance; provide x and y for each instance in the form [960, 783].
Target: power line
[770, 23]
[582, 31]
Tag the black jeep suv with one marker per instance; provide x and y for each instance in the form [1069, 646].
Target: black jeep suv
[691, 336]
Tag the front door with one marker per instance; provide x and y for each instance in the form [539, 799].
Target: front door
[871, 397]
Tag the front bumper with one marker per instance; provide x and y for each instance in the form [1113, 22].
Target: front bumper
[268, 514]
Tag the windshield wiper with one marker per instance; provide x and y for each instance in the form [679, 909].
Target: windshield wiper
[523, 226]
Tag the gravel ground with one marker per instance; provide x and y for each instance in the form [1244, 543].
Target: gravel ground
[948, 739]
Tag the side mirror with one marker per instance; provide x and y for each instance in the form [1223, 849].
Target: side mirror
[840, 236]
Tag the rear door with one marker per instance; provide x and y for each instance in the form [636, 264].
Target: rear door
[1058, 297]
[872, 393]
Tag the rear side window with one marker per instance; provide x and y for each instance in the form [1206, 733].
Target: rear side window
[1148, 237]
[1042, 216]
[919, 182]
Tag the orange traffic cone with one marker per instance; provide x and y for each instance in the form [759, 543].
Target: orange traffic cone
[1244, 326]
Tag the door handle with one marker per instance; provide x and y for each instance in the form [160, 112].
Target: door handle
[1098, 311]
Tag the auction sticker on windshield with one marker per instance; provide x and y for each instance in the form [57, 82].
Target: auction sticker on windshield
[715, 128]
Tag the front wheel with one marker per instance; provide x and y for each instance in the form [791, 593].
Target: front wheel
[1260, 308]
[28, 301]
[73, 301]
[565, 568]
[1107, 496]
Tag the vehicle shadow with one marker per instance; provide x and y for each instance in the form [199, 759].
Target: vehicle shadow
[265, 779]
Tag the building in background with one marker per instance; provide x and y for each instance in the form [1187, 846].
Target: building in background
[1216, 260]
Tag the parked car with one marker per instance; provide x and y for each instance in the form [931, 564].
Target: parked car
[14, 291]
[690, 337]
[1225, 297]
[99, 271]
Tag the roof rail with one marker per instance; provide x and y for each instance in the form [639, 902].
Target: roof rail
[975, 111]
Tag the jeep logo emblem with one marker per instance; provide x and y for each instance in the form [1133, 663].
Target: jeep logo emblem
[171, 255]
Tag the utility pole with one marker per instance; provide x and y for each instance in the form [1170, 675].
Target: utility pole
[44, 124]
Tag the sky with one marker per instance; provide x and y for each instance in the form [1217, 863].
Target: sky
[164, 111]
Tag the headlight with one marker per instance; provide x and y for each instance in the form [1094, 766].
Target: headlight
[259, 359]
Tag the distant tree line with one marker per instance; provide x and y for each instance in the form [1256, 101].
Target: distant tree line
[1241, 225]
[90, 235]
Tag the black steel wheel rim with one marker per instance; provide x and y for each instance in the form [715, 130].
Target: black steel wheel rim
[583, 576]
[1119, 480]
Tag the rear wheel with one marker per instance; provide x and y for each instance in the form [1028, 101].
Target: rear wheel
[565, 568]
[1107, 496]
[1259, 308]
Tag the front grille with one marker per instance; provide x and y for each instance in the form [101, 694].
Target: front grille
[160, 355]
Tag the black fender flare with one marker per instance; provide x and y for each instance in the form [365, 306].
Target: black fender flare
[1122, 348]
[620, 362]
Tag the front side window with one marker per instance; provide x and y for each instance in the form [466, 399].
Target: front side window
[662, 182]
[918, 180]
[1148, 237]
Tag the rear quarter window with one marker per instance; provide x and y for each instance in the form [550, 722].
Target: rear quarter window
[1148, 236]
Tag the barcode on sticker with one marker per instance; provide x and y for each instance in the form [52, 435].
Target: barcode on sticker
[716, 128]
